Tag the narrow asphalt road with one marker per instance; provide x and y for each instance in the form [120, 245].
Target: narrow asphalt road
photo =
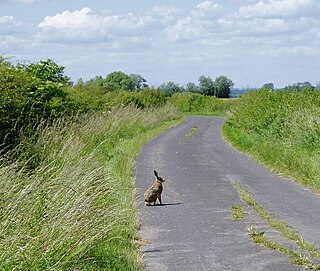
[194, 229]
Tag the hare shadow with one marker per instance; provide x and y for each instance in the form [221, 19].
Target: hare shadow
[166, 204]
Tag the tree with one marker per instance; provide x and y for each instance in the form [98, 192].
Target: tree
[140, 82]
[222, 87]
[170, 88]
[119, 80]
[191, 87]
[300, 87]
[269, 86]
[26, 98]
[46, 70]
[206, 85]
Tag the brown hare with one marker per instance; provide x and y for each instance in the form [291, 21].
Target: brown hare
[154, 192]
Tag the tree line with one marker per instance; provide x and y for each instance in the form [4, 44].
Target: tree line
[220, 87]
[296, 87]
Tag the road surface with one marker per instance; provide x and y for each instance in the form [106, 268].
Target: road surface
[194, 229]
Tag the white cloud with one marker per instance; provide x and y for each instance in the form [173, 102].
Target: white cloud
[198, 22]
[206, 9]
[6, 20]
[86, 25]
[277, 8]
[8, 26]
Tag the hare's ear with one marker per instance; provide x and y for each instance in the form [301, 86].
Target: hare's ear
[156, 174]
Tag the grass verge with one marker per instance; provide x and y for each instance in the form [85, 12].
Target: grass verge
[281, 130]
[76, 209]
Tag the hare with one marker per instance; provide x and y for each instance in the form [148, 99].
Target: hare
[154, 192]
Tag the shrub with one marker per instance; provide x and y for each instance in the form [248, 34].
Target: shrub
[196, 103]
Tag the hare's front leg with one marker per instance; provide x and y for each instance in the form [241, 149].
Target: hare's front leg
[159, 198]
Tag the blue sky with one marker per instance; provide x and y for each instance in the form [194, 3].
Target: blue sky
[252, 42]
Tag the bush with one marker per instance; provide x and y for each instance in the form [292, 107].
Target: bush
[25, 100]
[195, 103]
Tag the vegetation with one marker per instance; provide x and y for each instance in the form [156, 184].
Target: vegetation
[220, 87]
[75, 209]
[27, 97]
[281, 129]
[199, 104]
[67, 195]
[303, 253]
[237, 212]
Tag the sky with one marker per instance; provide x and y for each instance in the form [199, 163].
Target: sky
[252, 42]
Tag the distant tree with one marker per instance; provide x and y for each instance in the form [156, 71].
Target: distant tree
[269, 86]
[140, 82]
[306, 86]
[46, 70]
[170, 88]
[222, 87]
[119, 80]
[300, 86]
[192, 87]
[206, 85]
[4, 62]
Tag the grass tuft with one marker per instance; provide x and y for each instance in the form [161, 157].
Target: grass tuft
[306, 253]
[237, 212]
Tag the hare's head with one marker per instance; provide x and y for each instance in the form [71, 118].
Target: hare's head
[159, 179]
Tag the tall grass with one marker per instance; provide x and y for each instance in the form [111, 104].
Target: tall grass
[199, 104]
[75, 209]
[282, 130]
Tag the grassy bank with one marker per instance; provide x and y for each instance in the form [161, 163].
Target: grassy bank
[76, 210]
[199, 104]
[281, 130]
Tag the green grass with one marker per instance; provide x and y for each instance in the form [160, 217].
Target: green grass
[280, 130]
[305, 253]
[237, 212]
[75, 210]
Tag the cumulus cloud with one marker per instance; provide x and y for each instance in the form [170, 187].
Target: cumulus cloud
[277, 8]
[205, 23]
[87, 25]
[200, 21]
